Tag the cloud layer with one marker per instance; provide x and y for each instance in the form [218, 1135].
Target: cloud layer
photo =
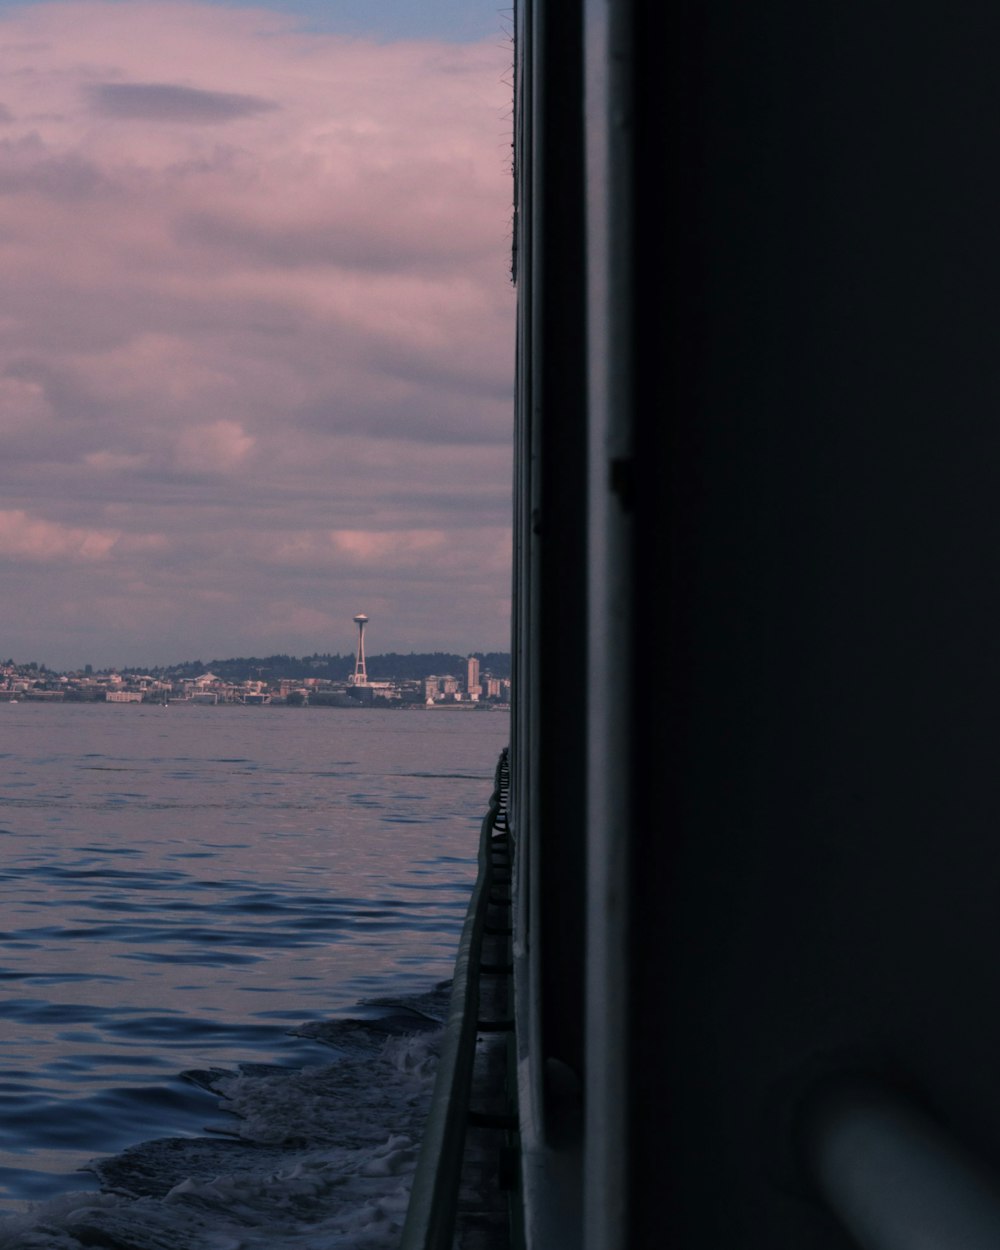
[168, 102]
[255, 340]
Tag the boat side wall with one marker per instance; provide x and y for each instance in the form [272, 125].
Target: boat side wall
[791, 598]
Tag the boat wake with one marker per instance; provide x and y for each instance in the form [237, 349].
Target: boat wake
[319, 1156]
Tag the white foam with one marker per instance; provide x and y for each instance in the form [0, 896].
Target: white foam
[327, 1162]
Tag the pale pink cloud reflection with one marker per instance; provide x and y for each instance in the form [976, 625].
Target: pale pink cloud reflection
[256, 336]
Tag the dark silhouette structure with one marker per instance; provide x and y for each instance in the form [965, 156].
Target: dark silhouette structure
[758, 261]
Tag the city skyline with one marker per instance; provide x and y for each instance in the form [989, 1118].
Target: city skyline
[256, 351]
[462, 657]
[333, 681]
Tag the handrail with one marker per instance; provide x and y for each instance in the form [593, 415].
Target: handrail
[430, 1217]
[895, 1178]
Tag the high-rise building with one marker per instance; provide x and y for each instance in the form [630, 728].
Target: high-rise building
[472, 675]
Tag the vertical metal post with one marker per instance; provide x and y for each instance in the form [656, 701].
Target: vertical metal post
[610, 295]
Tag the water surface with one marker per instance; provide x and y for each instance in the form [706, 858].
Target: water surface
[183, 887]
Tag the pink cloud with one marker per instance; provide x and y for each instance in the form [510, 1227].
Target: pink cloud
[218, 447]
[25, 537]
[255, 295]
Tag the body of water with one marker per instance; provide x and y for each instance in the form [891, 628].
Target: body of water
[195, 901]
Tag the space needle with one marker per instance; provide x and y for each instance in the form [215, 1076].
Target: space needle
[360, 676]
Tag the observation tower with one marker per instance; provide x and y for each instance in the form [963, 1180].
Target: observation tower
[360, 675]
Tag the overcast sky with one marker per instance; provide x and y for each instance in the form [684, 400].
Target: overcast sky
[256, 329]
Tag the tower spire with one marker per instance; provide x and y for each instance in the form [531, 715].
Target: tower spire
[360, 677]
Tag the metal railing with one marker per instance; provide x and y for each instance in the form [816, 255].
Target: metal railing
[430, 1218]
[894, 1178]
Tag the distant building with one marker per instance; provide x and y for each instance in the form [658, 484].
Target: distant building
[472, 676]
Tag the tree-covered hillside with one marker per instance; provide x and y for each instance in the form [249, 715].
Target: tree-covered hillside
[389, 667]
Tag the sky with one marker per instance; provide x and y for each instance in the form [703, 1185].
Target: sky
[256, 328]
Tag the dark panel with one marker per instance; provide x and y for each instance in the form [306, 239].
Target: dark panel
[559, 399]
[817, 867]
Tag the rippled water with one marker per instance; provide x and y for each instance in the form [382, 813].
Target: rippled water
[183, 887]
